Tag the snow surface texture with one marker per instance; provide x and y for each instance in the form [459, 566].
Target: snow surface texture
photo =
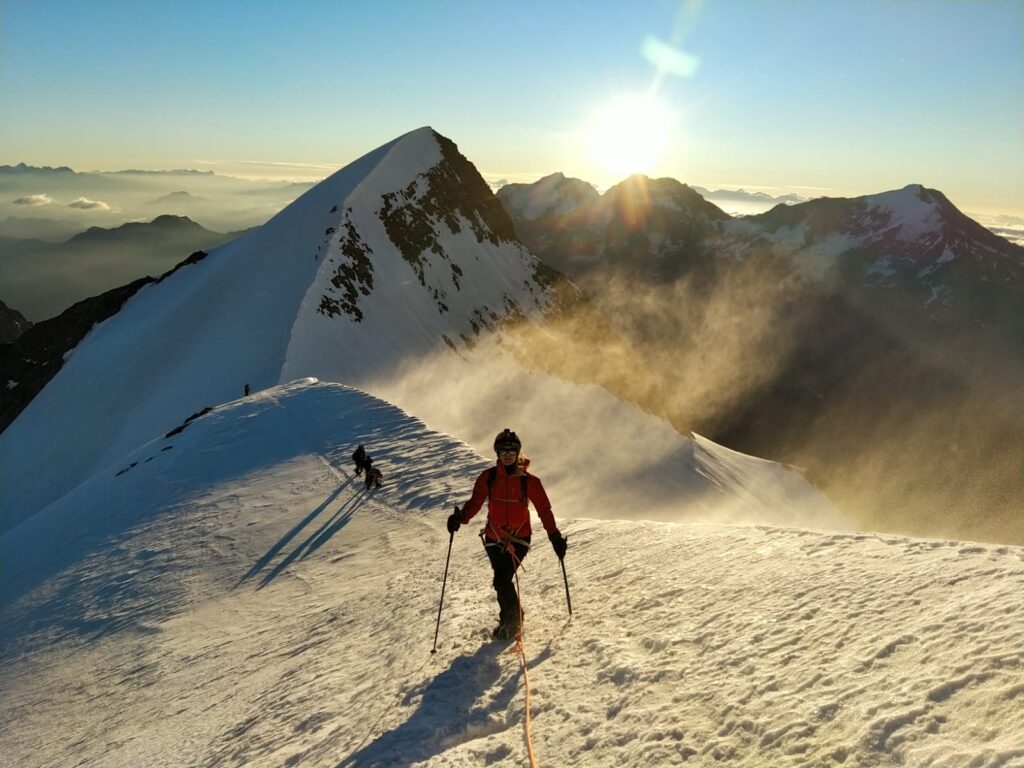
[232, 596]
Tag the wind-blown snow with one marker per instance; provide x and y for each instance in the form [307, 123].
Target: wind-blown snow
[603, 457]
[231, 596]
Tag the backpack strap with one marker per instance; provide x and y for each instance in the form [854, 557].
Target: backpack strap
[492, 475]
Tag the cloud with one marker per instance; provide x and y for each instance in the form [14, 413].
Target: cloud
[745, 196]
[34, 200]
[87, 204]
[1010, 220]
[1013, 234]
[261, 170]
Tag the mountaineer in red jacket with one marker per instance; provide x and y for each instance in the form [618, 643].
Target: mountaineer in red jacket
[508, 490]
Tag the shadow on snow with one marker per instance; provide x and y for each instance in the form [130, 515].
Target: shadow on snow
[313, 542]
[450, 713]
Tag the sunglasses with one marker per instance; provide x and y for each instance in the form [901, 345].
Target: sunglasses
[508, 449]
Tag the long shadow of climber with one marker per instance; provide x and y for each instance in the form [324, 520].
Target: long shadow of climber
[454, 708]
[319, 537]
[264, 561]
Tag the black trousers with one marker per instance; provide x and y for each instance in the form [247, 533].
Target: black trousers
[504, 567]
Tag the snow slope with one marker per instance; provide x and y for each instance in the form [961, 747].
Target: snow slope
[230, 595]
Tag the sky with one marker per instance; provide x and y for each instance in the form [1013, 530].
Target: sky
[818, 98]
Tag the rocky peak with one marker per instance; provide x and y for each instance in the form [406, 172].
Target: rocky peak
[642, 202]
[431, 217]
[450, 193]
[654, 228]
[554, 195]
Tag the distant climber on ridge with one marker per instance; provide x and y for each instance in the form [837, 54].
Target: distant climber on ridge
[508, 489]
[374, 477]
[361, 459]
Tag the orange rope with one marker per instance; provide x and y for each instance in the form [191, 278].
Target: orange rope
[526, 678]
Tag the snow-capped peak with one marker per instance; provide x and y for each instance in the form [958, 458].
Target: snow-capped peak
[911, 212]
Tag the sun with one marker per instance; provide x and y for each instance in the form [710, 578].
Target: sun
[628, 135]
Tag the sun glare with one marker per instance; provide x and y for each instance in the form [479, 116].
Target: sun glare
[628, 135]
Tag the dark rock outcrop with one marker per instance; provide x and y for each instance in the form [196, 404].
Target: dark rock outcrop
[353, 277]
[12, 324]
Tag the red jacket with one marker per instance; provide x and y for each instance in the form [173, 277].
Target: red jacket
[507, 511]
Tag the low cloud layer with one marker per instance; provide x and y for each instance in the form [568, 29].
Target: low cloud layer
[219, 203]
[85, 203]
[34, 201]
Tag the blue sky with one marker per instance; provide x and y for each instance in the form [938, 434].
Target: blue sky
[823, 96]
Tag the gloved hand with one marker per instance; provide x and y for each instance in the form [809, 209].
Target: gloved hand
[454, 520]
[559, 543]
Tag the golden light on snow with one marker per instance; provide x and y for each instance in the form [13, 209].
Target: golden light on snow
[628, 135]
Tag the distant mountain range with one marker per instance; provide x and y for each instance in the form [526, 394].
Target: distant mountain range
[22, 169]
[742, 195]
[840, 335]
[53, 203]
[42, 279]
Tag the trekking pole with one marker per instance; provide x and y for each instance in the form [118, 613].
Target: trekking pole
[564, 576]
[444, 583]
